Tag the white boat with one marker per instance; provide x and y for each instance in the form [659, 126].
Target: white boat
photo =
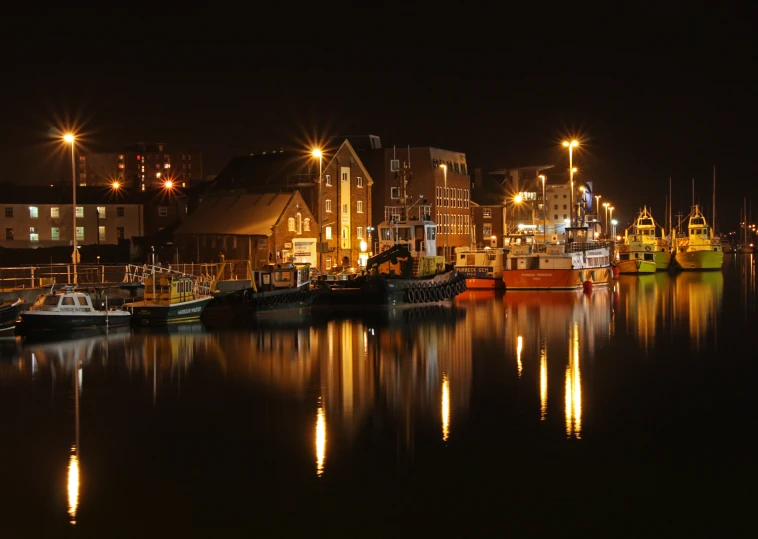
[70, 309]
[562, 265]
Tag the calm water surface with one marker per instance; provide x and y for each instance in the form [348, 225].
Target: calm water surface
[623, 410]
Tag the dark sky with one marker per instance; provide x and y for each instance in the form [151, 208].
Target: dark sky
[653, 96]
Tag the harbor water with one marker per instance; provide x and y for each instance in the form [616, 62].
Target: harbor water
[614, 411]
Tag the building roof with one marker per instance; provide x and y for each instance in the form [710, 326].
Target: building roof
[266, 172]
[57, 194]
[236, 212]
[490, 193]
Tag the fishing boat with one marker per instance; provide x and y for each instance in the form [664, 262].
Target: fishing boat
[700, 249]
[241, 290]
[170, 296]
[571, 263]
[641, 250]
[406, 270]
[70, 309]
[9, 314]
[483, 268]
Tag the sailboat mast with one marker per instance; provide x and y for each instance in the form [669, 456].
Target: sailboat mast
[671, 217]
[713, 214]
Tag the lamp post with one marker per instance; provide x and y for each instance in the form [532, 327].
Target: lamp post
[605, 205]
[544, 210]
[571, 145]
[445, 201]
[614, 223]
[317, 153]
[613, 232]
[70, 139]
[597, 209]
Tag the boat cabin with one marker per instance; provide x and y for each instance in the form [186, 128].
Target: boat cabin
[168, 289]
[419, 235]
[280, 276]
[66, 301]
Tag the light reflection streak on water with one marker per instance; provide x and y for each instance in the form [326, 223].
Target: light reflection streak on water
[320, 440]
[73, 484]
[573, 388]
[543, 383]
[445, 407]
[519, 347]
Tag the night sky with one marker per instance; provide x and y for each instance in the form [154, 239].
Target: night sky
[656, 96]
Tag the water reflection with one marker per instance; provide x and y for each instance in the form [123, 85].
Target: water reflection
[320, 440]
[445, 407]
[645, 302]
[697, 304]
[570, 326]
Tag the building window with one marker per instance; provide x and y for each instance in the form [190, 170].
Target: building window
[55, 213]
[9, 212]
[8, 233]
[555, 216]
[345, 237]
[101, 233]
[307, 224]
[359, 181]
[328, 179]
[394, 192]
[564, 196]
[344, 176]
[565, 216]
[33, 212]
[555, 195]
[80, 212]
[359, 206]
[80, 233]
[565, 206]
[299, 223]
[328, 206]
[101, 212]
[120, 232]
[344, 208]
[555, 207]
[359, 232]
[119, 211]
[33, 234]
[328, 232]
[328, 262]
[486, 230]
[162, 211]
[55, 233]
[486, 212]
[291, 224]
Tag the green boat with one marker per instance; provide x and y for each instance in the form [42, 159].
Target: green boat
[170, 297]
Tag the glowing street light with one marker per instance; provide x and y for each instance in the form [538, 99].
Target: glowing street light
[571, 145]
[605, 205]
[70, 139]
[320, 156]
[544, 209]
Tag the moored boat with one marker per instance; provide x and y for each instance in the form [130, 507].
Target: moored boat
[483, 268]
[70, 309]
[170, 296]
[240, 290]
[9, 314]
[700, 249]
[570, 265]
[641, 250]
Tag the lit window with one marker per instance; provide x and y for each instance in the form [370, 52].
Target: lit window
[167, 165]
[487, 212]
[55, 233]
[306, 224]
[291, 224]
[33, 212]
[101, 212]
[359, 232]
[344, 208]
[55, 213]
[80, 233]
[359, 206]
[328, 206]
[101, 233]
[344, 176]
[33, 234]
[80, 212]
[359, 181]
[328, 232]
[328, 179]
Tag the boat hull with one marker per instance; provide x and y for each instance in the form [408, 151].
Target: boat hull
[636, 266]
[9, 314]
[700, 260]
[662, 260]
[381, 291]
[147, 313]
[556, 279]
[35, 321]
[473, 283]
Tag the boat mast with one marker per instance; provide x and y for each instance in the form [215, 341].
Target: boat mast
[713, 214]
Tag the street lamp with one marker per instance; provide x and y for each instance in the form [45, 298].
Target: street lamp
[70, 139]
[597, 209]
[613, 233]
[445, 199]
[317, 153]
[605, 205]
[571, 145]
[614, 223]
[544, 210]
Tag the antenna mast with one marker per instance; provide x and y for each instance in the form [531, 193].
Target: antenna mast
[713, 217]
